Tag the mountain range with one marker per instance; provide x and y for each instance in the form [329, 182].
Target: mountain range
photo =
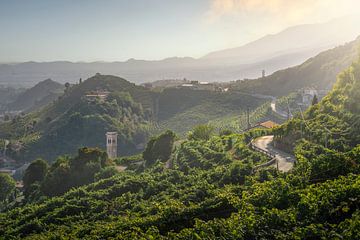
[270, 53]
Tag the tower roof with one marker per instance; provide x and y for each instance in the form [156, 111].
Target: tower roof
[111, 133]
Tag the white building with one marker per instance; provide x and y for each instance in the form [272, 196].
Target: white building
[308, 95]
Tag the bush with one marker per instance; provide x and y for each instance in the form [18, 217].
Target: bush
[159, 148]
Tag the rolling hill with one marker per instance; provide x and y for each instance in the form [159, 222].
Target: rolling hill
[319, 72]
[38, 96]
[77, 118]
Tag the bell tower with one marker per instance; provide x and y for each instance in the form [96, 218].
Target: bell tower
[111, 144]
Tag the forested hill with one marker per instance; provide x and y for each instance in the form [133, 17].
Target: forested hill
[208, 186]
[81, 118]
[38, 96]
[75, 119]
[319, 72]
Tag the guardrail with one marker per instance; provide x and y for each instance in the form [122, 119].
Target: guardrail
[269, 163]
[267, 153]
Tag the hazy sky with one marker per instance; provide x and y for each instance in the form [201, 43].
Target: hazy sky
[115, 30]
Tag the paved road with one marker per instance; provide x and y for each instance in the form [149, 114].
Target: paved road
[272, 105]
[285, 160]
[277, 110]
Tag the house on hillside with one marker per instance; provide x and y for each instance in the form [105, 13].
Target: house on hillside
[205, 86]
[98, 94]
[263, 125]
[196, 85]
[7, 171]
[148, 85]
[187, 85]
[308, 95]
[266, 125]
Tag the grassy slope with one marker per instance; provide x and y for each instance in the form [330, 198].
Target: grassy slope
[180, 109]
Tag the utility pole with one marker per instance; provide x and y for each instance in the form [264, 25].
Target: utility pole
[5, 146]
[327, 132]
[248, 117]
[326, 140]
[288, 110]
[302, 123]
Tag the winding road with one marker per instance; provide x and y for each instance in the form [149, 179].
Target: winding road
[273, 106]
[284, 160]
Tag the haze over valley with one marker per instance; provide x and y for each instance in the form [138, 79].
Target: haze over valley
[273, 52]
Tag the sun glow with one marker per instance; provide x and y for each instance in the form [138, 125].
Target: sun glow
[293, 12]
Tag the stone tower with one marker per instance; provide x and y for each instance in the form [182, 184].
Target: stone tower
[111, 144]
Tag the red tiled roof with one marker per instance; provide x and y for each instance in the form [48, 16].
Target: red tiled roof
[269, 124]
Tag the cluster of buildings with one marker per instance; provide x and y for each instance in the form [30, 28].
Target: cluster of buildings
[196, 85]
[187, 84]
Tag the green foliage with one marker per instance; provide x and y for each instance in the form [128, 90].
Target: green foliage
[159, 148]
[36, 172]
[212, 189]
[334, 122]
[74, 121]
[180, 110]
[67, 172]
[212, 192]
[7, 186]
[106, 172]
[314, 100]
[318, 163]
[201, 132]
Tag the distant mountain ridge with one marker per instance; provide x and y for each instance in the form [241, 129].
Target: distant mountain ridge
[273, 52]
[307, 37]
